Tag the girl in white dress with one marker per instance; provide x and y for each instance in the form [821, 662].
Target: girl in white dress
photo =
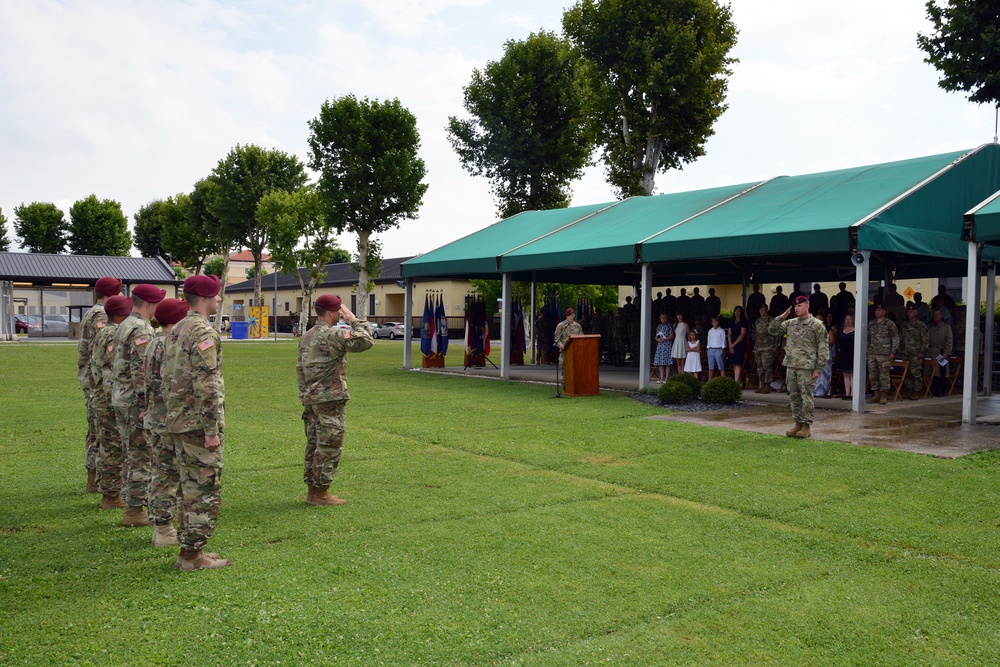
[680, 342]
[692, 364]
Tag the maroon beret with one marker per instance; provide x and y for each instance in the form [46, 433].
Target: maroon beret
[108, 286]
[148, 293]
[330, 302]
[207, 286]
[118, 305]
[570, 311]
[800, 299]
[171, 311]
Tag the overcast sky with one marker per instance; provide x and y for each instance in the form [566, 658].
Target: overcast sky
[137, 100]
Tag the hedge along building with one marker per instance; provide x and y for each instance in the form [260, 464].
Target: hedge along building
[898, 220]
[47, 284]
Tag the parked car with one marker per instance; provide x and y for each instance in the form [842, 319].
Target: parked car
[22, 323]
[390, 330]
[56, 324]
[225, 322]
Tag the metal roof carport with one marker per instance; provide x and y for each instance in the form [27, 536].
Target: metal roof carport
[900, 218]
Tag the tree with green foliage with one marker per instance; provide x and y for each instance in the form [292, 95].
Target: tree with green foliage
[98, 227]
[244, 176]
[215, 267]
[40, 227]
[4, 241]
[658, 77]
[252, 272]
[529, 132]
[148, 229]
[965, 47]
[303, 240]
[370, 174]
[604, 297]
[191, 232]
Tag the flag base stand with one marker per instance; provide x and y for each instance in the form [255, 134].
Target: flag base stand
[516, 357]
[433, 362]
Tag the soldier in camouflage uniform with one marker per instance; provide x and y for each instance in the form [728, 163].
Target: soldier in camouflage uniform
[93, 321]
[322, 377]
[565, 329]
[128, 397]
[913, 341]
[621, 337]
[806, 353]
[164, 482]
[195, 398]
[883, 339]
[109, 441]
[763, 350]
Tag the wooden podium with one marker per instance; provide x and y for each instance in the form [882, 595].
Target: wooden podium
[581, 365]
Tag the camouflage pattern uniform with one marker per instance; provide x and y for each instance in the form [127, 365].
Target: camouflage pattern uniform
[94, 320]
[322, 376]
[883, 339]
[621, 338]
[913, 341]
[164, 482]
[195, 397]
[109, 439]
[763, 348]
[128, 397]
[564, 330]
[806, 352]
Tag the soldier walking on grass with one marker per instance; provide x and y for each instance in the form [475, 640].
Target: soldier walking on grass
[322, 377]
[92, 322]
[883, 339]
[806, 353]
[109, 439]
[195, 399]
[164, 480]
[128, 397]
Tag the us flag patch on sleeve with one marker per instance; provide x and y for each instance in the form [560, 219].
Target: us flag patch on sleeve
[101, 325]
[205, 344]
[110, 346]
[141, 340]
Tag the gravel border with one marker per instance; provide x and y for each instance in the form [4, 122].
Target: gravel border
[697, 405]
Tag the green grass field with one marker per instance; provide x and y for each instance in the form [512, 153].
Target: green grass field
[490, 525]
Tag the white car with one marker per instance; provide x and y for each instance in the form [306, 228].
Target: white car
[390, 330]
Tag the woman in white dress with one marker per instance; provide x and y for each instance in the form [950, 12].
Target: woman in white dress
[680, 342]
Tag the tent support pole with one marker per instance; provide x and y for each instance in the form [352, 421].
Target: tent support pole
[505, 337]
[860, 334]
[534, 316]
[408, 325]
[645, 323]
[971, 365]
[988, 328]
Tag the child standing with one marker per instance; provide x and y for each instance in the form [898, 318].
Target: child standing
[716, 343]
[692, 364]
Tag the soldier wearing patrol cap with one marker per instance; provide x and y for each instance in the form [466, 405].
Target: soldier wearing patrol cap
[92, 322]
[128, 397]
[883, 339]
[195, 397]
[913, 341]
[322, 378]
[806, 353]
[109, 441]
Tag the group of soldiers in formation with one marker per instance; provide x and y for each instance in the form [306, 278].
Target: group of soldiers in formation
[156, 407]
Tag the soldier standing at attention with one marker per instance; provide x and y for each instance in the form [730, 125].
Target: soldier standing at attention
[913, 341]
[763, 350]
[109, 439]
[806, 354]
[164, 482]
[883, 339]
[93, 321]
[128, 397]
[322, 376]
[195, 398]
[565, 329]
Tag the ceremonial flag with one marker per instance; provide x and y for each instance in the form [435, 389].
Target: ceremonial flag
[425, 329]
[442, 327]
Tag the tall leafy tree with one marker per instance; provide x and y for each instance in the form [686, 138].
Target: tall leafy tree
[301, 236]
[658, 73]
[148, 229]
[191, 232]
[4, 241]
[965, 47]
[528, 133]
[40, 227]
[244, 176]
[370, 173]
[98, 227]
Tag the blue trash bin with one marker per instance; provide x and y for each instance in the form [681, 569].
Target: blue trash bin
[241, 330]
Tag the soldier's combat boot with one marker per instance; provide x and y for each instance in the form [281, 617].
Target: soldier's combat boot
[760, 387]
[319, 496]
[164, 536]
[766, 389]
[112, 501]
[876, 397]
[135, 517]
[794, 431]
[199, 560]
[883, 398]
[803, 432]
[92, 482]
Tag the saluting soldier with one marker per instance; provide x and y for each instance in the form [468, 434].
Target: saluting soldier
[109, 439]
[93, 321]
[913, 341]
[195, 398]
[806, 353]
[164, 481]
[128, 397]
[322, 377]
[883, 339]
[763, 350]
